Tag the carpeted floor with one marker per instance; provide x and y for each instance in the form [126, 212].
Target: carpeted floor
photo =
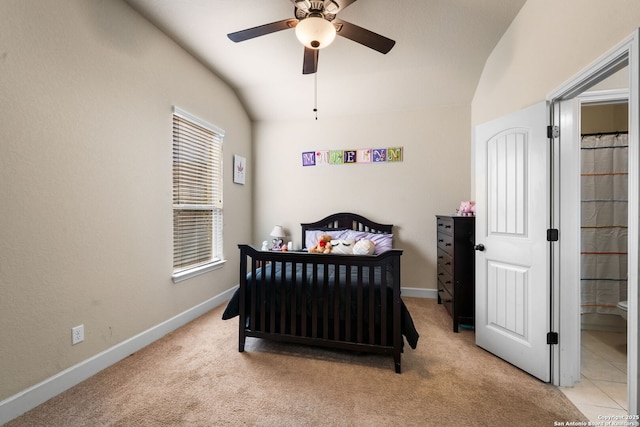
[195, 376]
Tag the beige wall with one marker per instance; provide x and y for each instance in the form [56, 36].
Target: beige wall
[85, 158]
[548, 43]
[604, 118]
[86, 89]
[433, 178]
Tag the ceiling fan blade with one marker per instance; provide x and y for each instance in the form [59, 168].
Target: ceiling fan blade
[363, 36]
[310, 61]
[250, 33]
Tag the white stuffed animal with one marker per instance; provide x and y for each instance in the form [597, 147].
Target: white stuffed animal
[364, 247]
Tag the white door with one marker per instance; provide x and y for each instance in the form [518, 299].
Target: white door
[513, 308]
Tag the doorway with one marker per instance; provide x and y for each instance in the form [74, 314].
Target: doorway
[566, 114]
[603, 250]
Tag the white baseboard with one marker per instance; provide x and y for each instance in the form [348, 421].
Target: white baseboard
[419, 293]
[18, 404]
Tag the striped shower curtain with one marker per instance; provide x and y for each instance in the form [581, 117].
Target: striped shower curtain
[604, 222]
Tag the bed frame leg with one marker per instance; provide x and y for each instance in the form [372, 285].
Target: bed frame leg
[241, 339]
[396, 360]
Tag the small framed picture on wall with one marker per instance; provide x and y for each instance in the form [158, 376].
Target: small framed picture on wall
[239, 169]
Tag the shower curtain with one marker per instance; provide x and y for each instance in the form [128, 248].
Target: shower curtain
[604, 222]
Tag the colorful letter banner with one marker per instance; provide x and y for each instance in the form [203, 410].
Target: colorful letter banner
[348, 157]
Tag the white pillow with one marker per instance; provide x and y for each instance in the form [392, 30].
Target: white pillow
[364, 247]
[342, 247]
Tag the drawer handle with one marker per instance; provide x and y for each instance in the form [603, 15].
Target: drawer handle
[440, 240]
[440, 274]
[449, 244]
[447, 263]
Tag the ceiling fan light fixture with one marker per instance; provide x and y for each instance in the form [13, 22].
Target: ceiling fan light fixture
[303, 4]
[331, 7]
[315, 32]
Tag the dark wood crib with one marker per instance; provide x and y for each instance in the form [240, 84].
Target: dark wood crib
[349, 302]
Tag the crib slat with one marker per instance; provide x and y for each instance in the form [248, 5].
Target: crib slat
[272, 299]
[372, 312]
[338, 289]
[283, 298]
[325, 302]
[347, 304]
[359, 307]
[293, 299]
[314, 306]
[383, 305]
[252, 315]
[255, 307]
[303, 300]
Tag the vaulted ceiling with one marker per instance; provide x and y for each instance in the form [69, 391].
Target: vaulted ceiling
[441, 47]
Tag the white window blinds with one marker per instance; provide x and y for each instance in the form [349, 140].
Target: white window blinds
[197, 193]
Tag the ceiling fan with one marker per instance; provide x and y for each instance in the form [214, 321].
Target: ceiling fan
[316, 26]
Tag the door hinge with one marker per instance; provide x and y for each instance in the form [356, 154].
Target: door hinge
[553, 131]
[552, 338]
[552, 235]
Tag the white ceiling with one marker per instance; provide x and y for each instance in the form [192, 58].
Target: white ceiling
[441, 47]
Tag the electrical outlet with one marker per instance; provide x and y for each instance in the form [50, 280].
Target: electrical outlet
[77, 334]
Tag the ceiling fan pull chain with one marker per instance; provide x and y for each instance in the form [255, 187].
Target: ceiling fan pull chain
[315, 94]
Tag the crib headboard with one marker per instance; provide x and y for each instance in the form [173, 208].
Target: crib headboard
[346, 220]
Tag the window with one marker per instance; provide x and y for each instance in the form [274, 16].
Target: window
[197, 196]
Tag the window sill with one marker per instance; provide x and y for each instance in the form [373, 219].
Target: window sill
[192, 272]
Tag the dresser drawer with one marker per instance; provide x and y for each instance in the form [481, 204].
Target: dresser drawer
[445, 225]
[445, 261]
[445, 242]
[445, 280]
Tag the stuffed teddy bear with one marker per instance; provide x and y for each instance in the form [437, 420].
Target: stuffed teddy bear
[323, 246]
[467, 208]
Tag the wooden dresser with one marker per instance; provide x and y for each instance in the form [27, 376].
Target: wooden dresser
[456, 267]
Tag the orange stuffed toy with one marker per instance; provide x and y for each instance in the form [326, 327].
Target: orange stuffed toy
[323, 246]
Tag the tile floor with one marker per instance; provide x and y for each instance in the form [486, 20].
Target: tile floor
[603, 387]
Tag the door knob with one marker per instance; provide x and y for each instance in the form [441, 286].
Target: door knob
[479, 247]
